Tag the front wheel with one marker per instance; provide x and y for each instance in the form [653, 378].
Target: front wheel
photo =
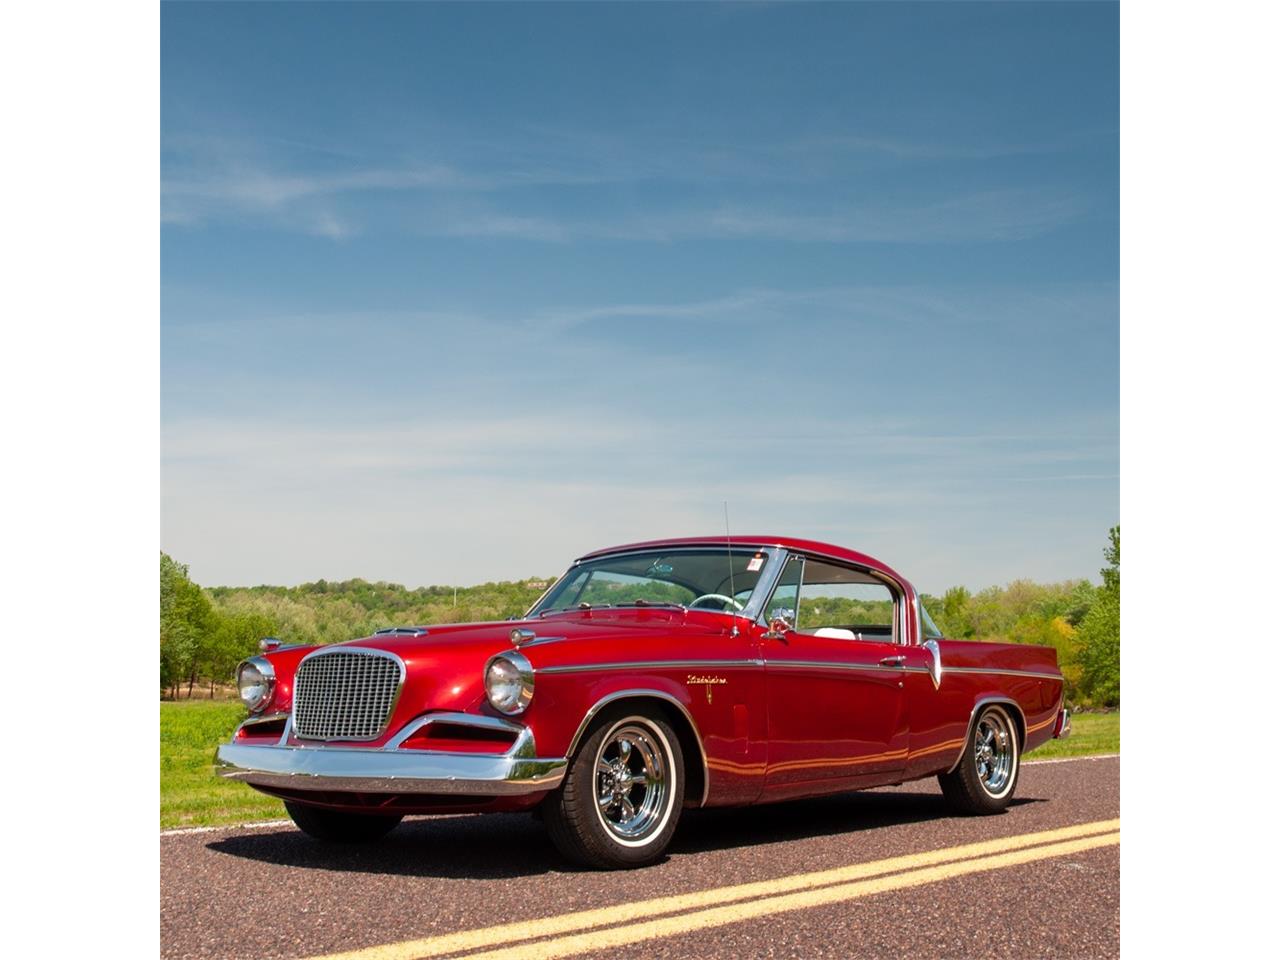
[984, 779]
[336, 826]
[621, 798]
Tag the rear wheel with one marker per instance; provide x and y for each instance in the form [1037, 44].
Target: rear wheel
[984, 780]
[621, 798]
[336, 826]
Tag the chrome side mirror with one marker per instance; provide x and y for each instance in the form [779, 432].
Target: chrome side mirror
[780, 624]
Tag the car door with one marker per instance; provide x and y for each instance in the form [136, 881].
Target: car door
[834, 688]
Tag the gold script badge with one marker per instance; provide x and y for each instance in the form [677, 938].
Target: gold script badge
[707, 681]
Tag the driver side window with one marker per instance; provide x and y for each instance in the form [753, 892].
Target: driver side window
[826, 599]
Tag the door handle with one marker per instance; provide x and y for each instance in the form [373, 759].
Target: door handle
[893, 661]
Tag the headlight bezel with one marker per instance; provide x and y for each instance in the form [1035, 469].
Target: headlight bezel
[510, 706]
[268, 675]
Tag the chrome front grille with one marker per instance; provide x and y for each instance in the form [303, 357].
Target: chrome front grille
[345, 694]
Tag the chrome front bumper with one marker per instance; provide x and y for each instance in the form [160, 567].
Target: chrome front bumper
[391, 769]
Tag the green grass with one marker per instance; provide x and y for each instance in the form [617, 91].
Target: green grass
[191, 794]
[1090, 733]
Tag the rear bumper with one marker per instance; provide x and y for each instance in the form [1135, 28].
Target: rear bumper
[392, 769]
[1062, 729]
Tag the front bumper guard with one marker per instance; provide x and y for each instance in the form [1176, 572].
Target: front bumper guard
[390, 769]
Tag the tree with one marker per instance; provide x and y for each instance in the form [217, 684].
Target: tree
[1099, 633]
[186, 622]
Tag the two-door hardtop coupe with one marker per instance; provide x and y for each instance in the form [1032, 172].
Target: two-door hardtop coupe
[692, 672]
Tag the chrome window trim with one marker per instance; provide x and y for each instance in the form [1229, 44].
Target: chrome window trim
[750, 611]
[647, 692]
[343, 648]
[896, 589]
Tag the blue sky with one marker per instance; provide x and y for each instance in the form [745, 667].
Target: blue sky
[456, 293]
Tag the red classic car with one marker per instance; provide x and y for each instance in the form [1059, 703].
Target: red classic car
[695, 672]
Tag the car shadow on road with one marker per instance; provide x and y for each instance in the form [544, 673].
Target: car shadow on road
[498, 845]
[841, 814]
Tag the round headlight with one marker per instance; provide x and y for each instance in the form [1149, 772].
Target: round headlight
[508, 682]
[257, 681]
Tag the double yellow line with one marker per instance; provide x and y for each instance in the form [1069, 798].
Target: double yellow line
[605, 927]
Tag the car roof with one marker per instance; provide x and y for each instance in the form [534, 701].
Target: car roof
[815, 547]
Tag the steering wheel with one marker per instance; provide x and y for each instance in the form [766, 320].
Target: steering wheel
[716, 596]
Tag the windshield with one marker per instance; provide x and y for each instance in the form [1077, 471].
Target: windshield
[705, 578]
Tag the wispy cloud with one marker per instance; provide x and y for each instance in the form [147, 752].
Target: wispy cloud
[770, 191]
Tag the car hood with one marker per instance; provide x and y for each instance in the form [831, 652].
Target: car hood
[444, 666]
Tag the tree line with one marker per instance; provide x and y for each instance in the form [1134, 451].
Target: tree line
[205, 632]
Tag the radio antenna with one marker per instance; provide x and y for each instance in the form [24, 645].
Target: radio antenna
[728, 549]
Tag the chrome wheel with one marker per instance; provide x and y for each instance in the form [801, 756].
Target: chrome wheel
[994, 752]
[632, 778]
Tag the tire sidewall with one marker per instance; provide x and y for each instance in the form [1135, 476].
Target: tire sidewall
[1001, 800]
[606, 847]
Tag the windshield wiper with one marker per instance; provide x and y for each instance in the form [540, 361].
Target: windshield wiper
[641, 602]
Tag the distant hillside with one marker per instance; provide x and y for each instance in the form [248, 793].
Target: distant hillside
[205, 632]
[328, 612]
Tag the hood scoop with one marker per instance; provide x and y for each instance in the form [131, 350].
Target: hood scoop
[401, 632]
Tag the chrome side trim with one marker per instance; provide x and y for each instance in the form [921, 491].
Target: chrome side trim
[661, 695]
[839, 665]
[1006, 673]
[973, 715]
[648, 665]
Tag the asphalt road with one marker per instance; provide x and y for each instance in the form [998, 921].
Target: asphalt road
[871, 874]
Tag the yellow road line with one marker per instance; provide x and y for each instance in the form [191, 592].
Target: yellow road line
[523, 930]
[630, 933]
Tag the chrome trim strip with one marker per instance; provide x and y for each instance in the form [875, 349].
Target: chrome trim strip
[343, 648]
[839, 665]
[661, 695]
[401, 632]
[463, 720]
[1006, 673]
[772, 567]
[767, 583]
[649, 665]
[266, 718]
[973, 715]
